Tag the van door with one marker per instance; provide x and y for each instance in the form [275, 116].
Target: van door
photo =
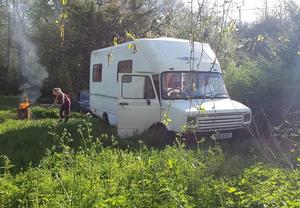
[139, 106]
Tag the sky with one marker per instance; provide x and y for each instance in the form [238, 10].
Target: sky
[250, 9]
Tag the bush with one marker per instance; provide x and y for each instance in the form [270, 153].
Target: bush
[263, 84]
[6, 102]
[265, 186]
[40, 112]
[242, 81]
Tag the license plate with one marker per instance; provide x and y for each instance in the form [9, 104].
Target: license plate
[222, 136]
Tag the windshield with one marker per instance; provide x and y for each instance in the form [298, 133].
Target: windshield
[193, 85]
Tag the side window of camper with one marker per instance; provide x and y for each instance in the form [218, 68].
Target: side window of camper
[97, 73]
[125, 67]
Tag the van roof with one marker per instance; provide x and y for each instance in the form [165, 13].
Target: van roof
[145, 41]
[166, 52]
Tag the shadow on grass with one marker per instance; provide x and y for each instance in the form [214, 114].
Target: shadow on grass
[27, 145]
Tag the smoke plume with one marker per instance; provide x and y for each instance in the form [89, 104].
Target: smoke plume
[32, 72]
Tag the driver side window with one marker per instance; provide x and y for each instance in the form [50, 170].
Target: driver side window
[140, 87]
[148, 89]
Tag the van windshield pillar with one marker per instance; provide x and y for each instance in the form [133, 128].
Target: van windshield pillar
[155, 78]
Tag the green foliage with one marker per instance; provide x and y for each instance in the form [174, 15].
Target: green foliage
[267, 72]
[98, 176]
[42, 112]
[6, 102]
[26, 142]
[263, 186]
[78, 165]
[90, 25]
[261, 84]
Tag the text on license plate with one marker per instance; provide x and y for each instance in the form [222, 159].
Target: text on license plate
[222, 136]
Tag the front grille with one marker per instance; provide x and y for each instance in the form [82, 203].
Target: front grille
[217, 122]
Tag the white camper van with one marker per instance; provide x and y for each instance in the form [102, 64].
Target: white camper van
[138, 85]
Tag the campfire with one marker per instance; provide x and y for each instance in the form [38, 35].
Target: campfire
[24, 109]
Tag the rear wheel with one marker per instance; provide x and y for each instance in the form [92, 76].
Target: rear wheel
[80, 109]
[106, 119]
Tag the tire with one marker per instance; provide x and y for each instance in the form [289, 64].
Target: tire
[190, 139]
[106, 119]
[158, 136]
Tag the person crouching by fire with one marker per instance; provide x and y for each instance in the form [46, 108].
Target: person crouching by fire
[65, 104]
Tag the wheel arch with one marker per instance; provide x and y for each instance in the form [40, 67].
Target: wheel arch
[105, 118]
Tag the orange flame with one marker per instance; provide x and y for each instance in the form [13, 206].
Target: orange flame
[24, 105]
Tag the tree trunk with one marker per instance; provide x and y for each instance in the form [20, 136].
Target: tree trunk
[8, 46]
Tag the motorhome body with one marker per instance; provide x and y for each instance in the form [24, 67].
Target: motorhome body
[166, 81]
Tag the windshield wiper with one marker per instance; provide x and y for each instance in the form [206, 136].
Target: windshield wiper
[218, 95]
[205, 97]
[209, 97]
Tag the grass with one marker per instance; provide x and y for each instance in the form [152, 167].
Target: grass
[26, 142]
[98, 176]
[77, 164]
[8, 102]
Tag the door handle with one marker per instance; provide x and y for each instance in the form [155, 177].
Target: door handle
[148, 102]
[123, 103]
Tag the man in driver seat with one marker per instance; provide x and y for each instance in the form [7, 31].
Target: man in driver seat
[176, 91]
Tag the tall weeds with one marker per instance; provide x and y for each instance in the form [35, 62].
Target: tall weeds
[95, 175]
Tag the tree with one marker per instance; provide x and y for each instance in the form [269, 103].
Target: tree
[272, 45]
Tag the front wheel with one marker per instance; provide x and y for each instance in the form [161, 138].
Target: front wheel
[158, 136]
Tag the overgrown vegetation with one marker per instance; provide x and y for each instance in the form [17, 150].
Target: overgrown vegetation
[95, 175]
[26, 142]
[80, 164]
[49, 164]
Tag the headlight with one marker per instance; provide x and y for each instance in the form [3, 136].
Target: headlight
[247, 117]
[191, 120]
